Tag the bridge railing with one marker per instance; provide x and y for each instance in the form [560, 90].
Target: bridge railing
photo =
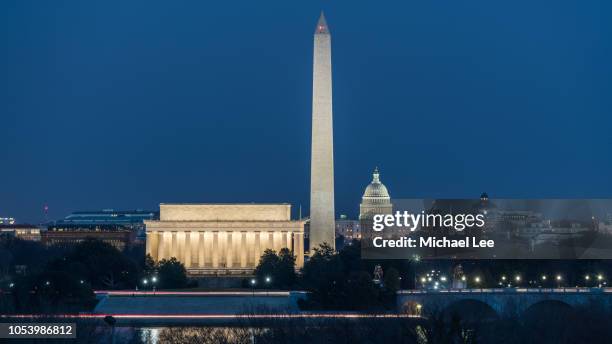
[505, 290]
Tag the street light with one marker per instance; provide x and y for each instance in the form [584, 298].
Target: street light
[253, 282]
[268, 280]
[153, 282]
[587, 278]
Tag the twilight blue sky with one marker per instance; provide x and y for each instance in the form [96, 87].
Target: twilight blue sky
[125, 104]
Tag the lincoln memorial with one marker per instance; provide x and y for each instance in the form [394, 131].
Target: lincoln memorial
[223, 238]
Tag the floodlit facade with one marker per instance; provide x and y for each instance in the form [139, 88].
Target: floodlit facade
[375, 199]
[23, 232]
[120, 239]
[214, 239]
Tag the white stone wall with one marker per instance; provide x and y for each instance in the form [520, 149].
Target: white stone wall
[223, 238]
[225, 212]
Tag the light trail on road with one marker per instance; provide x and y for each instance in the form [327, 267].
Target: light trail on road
[193, 293]
[214, 316]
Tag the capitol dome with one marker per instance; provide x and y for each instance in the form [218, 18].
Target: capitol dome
[376, 189]
[376, 199]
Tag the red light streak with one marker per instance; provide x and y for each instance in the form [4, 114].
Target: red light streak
[214, 316]
[190, 293]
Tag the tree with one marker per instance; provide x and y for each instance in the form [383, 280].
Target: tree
[392, 280]
[6, 260]
[100, 264]
[324, 276]
[150, 266]
[285, 273]
[279, 268]
[53, 291]
[361, 291]
[268, 263]
[343, 281]
[31, 254]
[172, 274]
[351, 258]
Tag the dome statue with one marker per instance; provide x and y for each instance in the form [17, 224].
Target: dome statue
[376, 199]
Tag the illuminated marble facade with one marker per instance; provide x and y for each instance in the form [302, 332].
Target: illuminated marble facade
[223, 238]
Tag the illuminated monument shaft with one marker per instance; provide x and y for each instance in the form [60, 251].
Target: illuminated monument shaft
[322, 163]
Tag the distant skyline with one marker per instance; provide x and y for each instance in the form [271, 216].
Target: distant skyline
[128, 105]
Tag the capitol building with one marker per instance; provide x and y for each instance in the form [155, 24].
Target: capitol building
[375, 200]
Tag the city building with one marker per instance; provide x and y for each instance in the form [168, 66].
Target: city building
[322, 213]
[349, 229]
[532, 226]
[215, 239]
[20, 231]
[376, 199]
[520, 218]
[7, 220]
[106, 220]
[490, 212]
[120, 228]
[605, 227]
[120, 239]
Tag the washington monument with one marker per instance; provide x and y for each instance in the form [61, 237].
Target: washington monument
[322, 223]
